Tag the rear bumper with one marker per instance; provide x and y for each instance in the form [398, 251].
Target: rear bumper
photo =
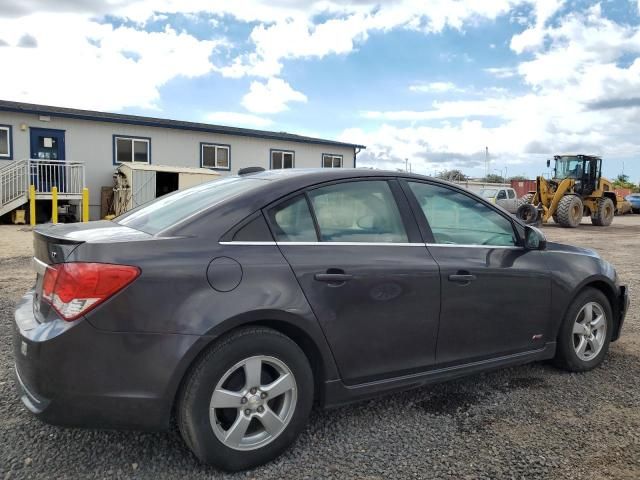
[73, 374]
[623, 307]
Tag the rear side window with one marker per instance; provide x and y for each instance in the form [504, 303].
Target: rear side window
[255, 230]
[292, 222]
[363, 211]
[512, 194]
[169, 210]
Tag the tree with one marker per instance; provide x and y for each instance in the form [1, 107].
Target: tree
[493, 178]
[452, 175]
[622, 181]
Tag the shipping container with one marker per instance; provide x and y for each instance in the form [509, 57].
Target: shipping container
[622, 192]
[522, 187]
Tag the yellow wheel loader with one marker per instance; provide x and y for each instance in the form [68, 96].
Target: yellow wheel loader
[577, 189]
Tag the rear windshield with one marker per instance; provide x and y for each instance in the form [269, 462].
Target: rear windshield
[166, 211]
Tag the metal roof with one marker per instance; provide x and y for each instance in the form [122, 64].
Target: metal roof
[31, 108]
[168, 168]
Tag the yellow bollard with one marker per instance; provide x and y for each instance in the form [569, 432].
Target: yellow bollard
[85, 204]
[32, 205]
[54, 205]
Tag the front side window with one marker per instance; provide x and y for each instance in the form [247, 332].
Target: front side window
[291, 221]
[281, 159]
[135, 150]
[502, 195]
[331, 161]
[458, 219]
[364, 211]
[5, 141]
[215, 156]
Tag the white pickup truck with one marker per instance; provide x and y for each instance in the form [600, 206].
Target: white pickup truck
[504, 196]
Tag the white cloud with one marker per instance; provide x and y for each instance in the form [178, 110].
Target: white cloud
[435, 87]
[502, 72]
[238, 119]
[580, 70]
[533, 37]
[80, 63]
[584, 96]
[291, 33]
[271, 96]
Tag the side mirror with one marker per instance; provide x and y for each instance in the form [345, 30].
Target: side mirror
[548, 163]
[534, 239]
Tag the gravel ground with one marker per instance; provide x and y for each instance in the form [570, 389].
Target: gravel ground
[525, 422]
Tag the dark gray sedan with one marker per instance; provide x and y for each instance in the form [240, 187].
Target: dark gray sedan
[239, 303]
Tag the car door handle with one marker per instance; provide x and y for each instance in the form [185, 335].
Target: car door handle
[333, 277]
[462, 277]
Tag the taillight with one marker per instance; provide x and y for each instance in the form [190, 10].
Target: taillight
[73, 289]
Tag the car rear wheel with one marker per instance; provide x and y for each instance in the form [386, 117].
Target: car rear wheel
[246, 400]
[585, 333]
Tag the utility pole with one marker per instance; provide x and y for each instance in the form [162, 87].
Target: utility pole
[406, 164]
[486, 161]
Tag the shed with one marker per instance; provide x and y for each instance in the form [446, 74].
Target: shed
[136, 184]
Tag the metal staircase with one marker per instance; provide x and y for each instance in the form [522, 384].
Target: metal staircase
[14, 185]
[17, 176]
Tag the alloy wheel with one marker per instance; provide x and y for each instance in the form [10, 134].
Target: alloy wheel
[589, 331]
[253, 403]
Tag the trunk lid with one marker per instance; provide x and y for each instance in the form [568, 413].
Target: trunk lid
[53, 244]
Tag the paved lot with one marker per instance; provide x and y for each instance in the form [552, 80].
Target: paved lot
[526, 422]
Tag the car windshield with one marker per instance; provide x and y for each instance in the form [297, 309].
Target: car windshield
[166, 211]
[488, 192]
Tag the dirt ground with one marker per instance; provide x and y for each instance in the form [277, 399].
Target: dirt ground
[526, 422]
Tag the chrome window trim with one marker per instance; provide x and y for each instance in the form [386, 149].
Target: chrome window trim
[462, 245]
[347, 244]
[373, 244]
[247, 243]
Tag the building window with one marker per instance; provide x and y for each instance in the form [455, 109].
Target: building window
[215, 156]
[5, 142]
[129, 149]
[282, 159]
[330, 160]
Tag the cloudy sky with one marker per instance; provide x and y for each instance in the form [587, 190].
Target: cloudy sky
[431, 81]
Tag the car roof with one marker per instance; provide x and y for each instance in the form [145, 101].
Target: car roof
[310, 176]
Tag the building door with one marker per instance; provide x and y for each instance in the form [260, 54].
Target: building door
[47, 145]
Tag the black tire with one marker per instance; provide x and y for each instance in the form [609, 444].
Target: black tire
[566, 357]
[605, 210]
[528, 198]
[196, 393]
[569, 211]
[527, 213]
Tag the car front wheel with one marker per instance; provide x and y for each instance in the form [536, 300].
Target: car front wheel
[585, 333]
[246, 400]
